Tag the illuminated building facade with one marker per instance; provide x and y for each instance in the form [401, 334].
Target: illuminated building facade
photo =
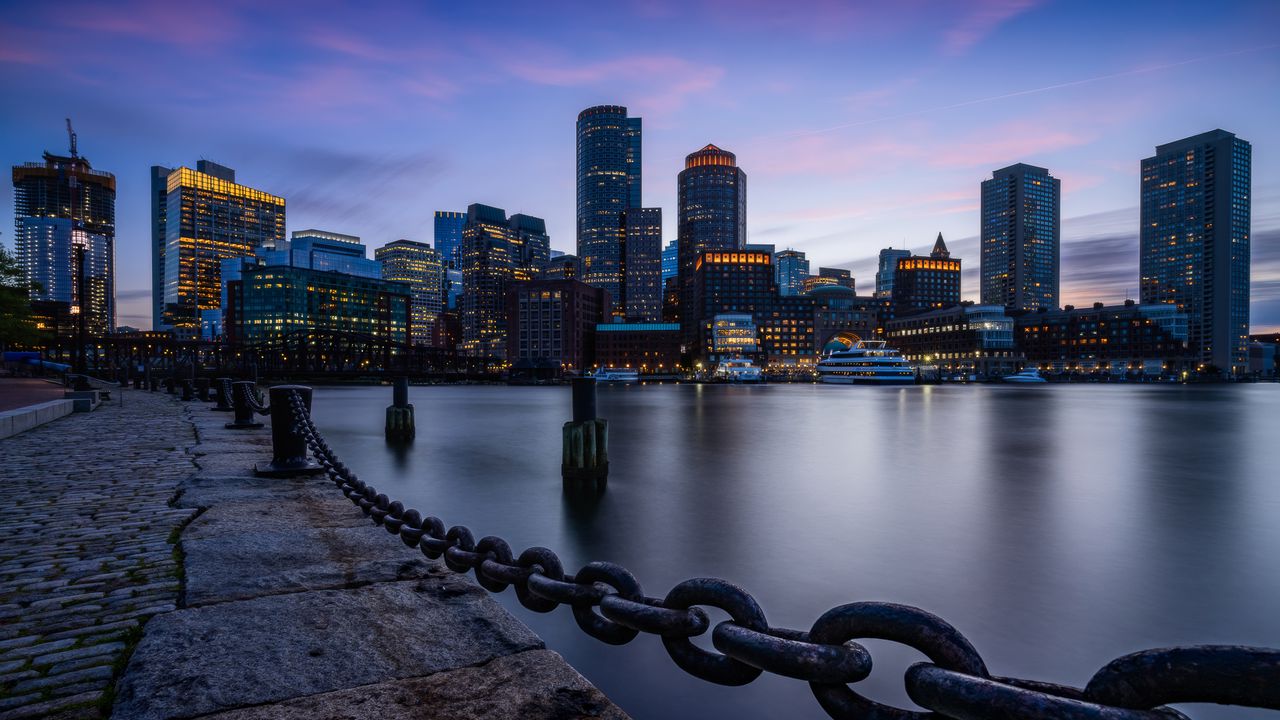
[324, 250]
[927, 283]
[1195, 245]
[641, 299]
[63, 206]
[608, 184]
[496, 251]
[970, 339]
[1021, 238]
[650, 348]
[268, 302]
[418, 267]
[886, 268]
[712, 197]
[728, 283]
[209, 218]
[813, 282]
[670, 261]
[564, 267]
[448, 237]
[839, 312]
[1108, 339]
[791, 267]
[842, 277]
[551, 324]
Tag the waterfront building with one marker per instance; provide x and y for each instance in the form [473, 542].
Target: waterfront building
[791, 267]
[650, 348]
[966, 339]
[641, 287]
[551, 325]
[840, 315]
[496, 251]
[208, 218]
[65, 210]
[712, 197]
[1116, 339]
[1195, 249]
[888, 265]
[813, 282]
[564, 267]
[608, 185]
[269, 302]
[448, 236]
[728, 283]
[842, 277]
[927, 283]
[420, 268]
[670, 261]
[1262, 355]
[1021, 238]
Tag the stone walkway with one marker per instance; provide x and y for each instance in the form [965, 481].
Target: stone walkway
[86, 553]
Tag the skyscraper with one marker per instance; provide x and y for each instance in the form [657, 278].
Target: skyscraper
[209, 218]
[495, 252]
[419, 267]
[927, 282]
[670, 261]
[641, 299]
[1021, 238]
[159, 209]
[791, 268]
[325, 250]
[885, 271]
[608, 161]
[712, 197]
[63, 205]
[448, 236]
[1195, 250]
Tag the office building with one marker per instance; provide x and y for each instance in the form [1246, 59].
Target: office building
[551, 325]
[813, 282]
[670, 261]
[159, 210]
[840, 317]
[967, 339]
[1114, 339]
[1195, 241]
[791, 268]
[886, 268]
[608, 184]
[65, 211]
[496, 251]
[448, 236]
[727, 283]
[270, 302]
[927, 282]
[712, 197]
[324, 250]
[650, 348]
[564, 267]
[418, 267]
[208, 218]
[842, 277]
[1021, 238]
[641, 299]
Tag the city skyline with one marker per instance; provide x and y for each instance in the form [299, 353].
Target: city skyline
[842, 164]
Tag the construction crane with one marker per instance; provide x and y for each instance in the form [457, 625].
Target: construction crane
[72, 134]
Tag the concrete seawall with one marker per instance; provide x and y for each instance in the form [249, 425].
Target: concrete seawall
[293, 605]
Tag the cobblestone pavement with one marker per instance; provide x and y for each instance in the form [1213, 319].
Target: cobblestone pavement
[86, 552]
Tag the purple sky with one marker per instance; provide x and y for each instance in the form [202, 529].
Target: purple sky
[859, 126]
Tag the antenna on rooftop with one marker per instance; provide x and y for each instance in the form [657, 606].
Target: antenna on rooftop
[72, 135]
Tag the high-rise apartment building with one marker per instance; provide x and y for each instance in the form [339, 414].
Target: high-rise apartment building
[791, 268]
[208, 218]
[1195, 247]
[420, 268]
[448, 236]
[712, 197]
[641, 299]
[63, 208]
[608, 162]
[927, 282]
[1021, 238]
[496, 250]
[885, 270]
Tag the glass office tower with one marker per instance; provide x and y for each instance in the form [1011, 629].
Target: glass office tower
[420, 268]
[1021, 238]
[712, 197]
[608, 163]
[448, 236]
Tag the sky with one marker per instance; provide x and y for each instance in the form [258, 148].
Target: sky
[860, 125]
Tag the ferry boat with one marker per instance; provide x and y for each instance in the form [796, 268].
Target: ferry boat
[738, 371]
[869, 362]
[1029, 376]
[618, 375]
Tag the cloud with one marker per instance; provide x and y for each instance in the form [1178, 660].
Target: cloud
[136, 294]
[662, 83]
[983, 19]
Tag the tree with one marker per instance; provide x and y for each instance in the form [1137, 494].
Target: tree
[16, 325]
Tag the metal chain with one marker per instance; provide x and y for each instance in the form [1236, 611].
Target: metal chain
[955, 684]
[254, 400]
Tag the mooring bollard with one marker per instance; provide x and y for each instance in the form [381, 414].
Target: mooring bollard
[288, 445]
[187, 394]
[202, 389]
[244, 411]
[222, 386]
[137, 382]
[586, 437]
[400, 425]
[170, 385]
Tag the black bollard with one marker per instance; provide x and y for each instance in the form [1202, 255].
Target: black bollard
[288, 445]
[202, 389]
[244, 412]
[137, 381]
[400, 424]
[584, 399]
[170, 385]
[187, 394]
[400, 393]
[222, 386]
[585, 456]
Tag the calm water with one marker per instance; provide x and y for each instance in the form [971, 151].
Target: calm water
[1056, 527]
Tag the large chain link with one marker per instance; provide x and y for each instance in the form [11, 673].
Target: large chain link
[955, 684]
[254, 400]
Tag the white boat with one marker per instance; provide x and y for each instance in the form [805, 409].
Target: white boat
[1025, 377]
[618, 375]
[738, 371]
[869, 362]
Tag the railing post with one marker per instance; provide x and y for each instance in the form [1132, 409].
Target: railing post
[187, 395]
[244, 419]
[220, 388]
[400, 423]
[170, 385]
[288, 445]
[202, 389]
[585, 456]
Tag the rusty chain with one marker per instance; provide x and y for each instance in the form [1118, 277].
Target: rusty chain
[254, 400]
[608, 604]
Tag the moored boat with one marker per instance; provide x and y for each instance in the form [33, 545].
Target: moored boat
[866, 362]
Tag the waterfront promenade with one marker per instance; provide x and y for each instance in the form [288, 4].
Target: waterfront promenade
[278, 599]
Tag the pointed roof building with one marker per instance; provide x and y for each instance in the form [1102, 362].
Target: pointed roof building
[940, 249]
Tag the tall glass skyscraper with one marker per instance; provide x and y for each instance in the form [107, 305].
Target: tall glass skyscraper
[712, 195]
[642, 265]
[60, 205]
[670, 261]
[1195, 248]
[448, 236]
[608, 155]
[886, 270]
[419, 267]
[496, 251]
[1021, 238]
[790, 268]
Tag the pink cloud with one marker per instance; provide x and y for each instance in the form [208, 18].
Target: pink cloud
[1014, 141]
[982, 20]
[662, 83]
[198, 26]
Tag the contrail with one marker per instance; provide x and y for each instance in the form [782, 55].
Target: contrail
[1033, 91]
